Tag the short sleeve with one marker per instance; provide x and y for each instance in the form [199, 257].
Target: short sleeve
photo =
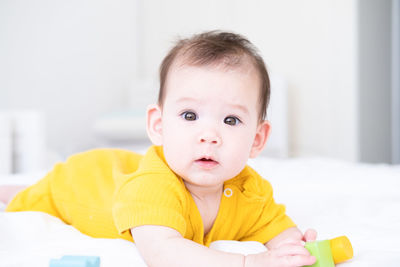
[152, 199]
[37, 197]
[270, 218]
[272, 221]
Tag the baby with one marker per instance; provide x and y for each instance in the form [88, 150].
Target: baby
[193, 186]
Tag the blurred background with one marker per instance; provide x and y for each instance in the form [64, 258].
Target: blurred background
[76, 75]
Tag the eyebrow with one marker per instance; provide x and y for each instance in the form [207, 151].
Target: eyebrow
[244, 109]
[241, 107]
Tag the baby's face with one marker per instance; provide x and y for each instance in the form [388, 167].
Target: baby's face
[210, 122]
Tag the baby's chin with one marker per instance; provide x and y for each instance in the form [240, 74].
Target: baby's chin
[205, 180]
[208, 175]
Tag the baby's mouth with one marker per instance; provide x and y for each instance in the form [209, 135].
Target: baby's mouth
[206, 163]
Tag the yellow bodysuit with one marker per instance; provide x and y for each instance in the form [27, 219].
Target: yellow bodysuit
[105, 192]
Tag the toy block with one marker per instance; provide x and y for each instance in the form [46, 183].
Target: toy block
[330, 252]
[341, 249]
[322, 252]
[76, 261]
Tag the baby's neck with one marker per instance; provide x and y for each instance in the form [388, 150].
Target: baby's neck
[202, 193]
[207, 201]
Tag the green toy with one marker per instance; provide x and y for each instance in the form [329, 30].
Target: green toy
[330, 252]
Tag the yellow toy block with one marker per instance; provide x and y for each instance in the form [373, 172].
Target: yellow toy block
[330, 252]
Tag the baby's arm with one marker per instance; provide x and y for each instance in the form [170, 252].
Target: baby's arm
[163, 246]
[291, 236]
[7, 192]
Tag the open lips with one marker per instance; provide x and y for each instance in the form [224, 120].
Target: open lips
[206, 163]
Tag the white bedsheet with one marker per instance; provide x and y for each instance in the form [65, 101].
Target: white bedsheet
[336, 198]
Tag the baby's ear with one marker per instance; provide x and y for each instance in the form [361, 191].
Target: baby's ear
[153, 124]
[263, 130]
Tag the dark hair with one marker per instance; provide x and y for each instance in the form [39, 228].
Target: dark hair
[216, 47]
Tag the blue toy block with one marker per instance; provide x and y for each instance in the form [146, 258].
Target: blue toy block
[76, 261]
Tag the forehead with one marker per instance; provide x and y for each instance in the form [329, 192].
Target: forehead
[217, 83]
[243, 68]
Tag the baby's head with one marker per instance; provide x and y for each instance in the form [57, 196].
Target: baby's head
[210, 116]
[211, 49]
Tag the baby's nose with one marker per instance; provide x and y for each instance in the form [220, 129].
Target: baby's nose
[211, 138]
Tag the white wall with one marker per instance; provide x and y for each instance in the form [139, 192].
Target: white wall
[72, 59]
[79, 59]
[312, 43]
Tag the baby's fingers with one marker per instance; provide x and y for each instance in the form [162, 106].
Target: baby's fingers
[310, 235]
[291, 250]
[298, 260]
[292, 255]
[285, 256]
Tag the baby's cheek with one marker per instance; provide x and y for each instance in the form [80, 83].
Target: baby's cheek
[237, 163]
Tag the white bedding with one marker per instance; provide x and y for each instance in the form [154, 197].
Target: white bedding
[336, 198]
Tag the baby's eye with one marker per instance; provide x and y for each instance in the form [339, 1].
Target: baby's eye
[232, 120]
[189, 115]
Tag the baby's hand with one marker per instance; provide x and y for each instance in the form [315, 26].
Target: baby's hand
[285, 256]
[310, 235]
[7, 192]
[292, 236]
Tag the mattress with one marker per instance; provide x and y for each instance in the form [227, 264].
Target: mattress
[361, 201]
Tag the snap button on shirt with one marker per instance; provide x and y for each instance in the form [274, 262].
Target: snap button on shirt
[228, 192]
